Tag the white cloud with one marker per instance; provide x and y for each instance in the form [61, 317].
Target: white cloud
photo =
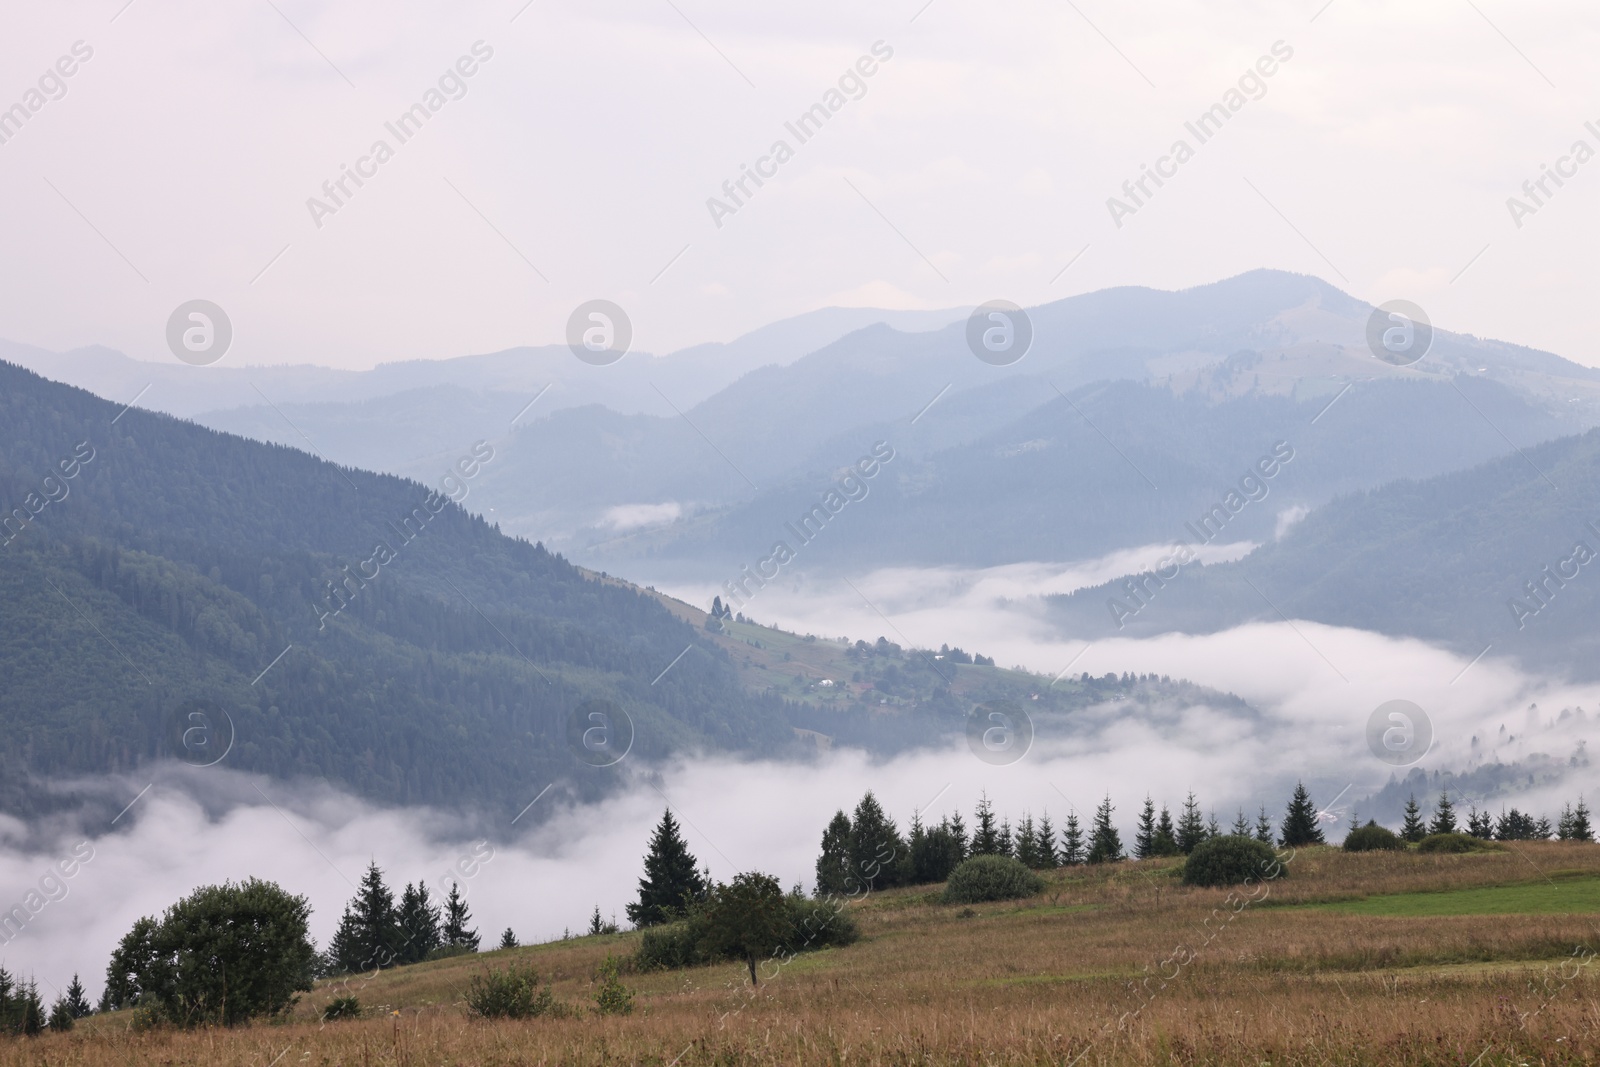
[634, 516]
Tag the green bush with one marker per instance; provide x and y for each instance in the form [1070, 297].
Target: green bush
[512, 993]
[990, 878]
[612, 998]
[1373, 838]
[341, 1008]
[669, 947]
[810, 924]
[818, 924]
[222, 955]
[1231, 860]
[1456, 843]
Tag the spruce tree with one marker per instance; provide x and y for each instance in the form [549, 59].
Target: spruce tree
[1027, 844]
[455, 931]
[1045, 844]
[1072, 852]
[1241, 826]
[985, 834]
[1166, 839]
[1444, 816]
[509, 939]
[1264, 827]
[1479, 824]
[1105, 844]
[369, 935]
[833, 866]
[672, 879]
[1191, 828]
[61, 1019]
[1144, 838]
[1581, 830]
[1542, 830]
[77, 1002]
[1006, 844]
[1213, 827]
[1300, 821]
[876, 849]
[958, 836]
[1413, 829]
[419, 924]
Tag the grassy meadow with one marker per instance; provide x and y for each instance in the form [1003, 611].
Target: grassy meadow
[1373, 958]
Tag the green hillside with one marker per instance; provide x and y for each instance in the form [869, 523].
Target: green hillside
[362, 629]
[177, 564]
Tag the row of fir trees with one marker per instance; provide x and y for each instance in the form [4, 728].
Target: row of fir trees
[376, 932]
[1572, 825]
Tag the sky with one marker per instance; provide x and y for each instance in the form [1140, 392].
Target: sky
[975, 163]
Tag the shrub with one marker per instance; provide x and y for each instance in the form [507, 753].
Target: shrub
[1456, 843]
[512, 993]
[1230, 861]
[806, 925]
[990, 878]
[668, 947]
[612, 998]
[1373, 838]
[341, 1008]
[222, 955]
[819, 923]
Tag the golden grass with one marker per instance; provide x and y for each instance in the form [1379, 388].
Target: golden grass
[1061, 979]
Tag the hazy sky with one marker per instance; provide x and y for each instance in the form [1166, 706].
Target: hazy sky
[976, 164]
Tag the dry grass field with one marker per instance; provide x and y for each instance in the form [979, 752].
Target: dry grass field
[1353, 959]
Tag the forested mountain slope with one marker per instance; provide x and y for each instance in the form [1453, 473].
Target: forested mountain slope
[1503, 554]
[433, 659]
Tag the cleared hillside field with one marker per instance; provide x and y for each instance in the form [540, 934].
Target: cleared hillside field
[1111, 965]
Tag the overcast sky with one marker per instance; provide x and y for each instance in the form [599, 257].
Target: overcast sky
[578, 164]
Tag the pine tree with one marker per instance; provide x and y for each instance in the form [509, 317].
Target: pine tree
[958, 835]
[1264, 827]
[876, 848]
[455, 930]
[671, 879]
[369, 935]
[1027, 850]
[1072, 852]
[1479, 824]
[1105, 844]
[985, 835]
[1241, 826]
[21, 1011]
[1006, 844]
[1144, 838]
[1444, 816]
[1191, 830]
[61, 1020]
[509, 939]
[77, 1002]
[1581, 830]
[31, 1013]
[1300, 821]
[1413, 829]
[419, 924]
[833, 866]
[1045, 844]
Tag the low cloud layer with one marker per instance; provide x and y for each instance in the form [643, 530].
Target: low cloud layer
[1311, 690]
